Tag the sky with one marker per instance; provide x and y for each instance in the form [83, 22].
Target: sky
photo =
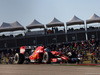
[25, 11]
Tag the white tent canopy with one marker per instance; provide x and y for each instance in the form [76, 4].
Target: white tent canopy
[16, 26]
[5, 27]
[11, 27]
[35, 24]
[74, 20]
[93, 19]
[55, 22]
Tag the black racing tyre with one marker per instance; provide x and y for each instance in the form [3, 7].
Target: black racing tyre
[47, 57]
[19, 58]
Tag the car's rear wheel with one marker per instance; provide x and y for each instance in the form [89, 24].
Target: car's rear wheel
[19, 58]
[47, 57]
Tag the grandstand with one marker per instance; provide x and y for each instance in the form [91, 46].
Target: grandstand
[47, 36]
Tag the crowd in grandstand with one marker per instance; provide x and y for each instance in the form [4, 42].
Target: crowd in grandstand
[80, 51]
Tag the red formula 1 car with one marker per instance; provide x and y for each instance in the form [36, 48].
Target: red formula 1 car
[40, 55]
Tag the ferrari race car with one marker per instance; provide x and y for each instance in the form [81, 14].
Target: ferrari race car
[39, 55]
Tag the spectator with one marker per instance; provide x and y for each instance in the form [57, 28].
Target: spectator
[80, 59]
[0, 58]
[92, 56]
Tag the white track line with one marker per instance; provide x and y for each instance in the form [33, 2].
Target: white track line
[92, 73]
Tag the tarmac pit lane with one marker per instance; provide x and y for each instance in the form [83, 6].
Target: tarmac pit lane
[44, 69]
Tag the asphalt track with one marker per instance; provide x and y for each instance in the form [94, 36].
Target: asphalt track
[43, 69]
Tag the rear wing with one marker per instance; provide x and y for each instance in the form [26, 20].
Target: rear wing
[23, 48]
